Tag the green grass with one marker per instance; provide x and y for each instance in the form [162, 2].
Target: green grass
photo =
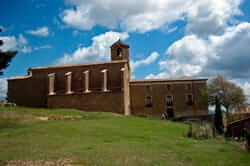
[108, 139]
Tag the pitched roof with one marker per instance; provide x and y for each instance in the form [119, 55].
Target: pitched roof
[120, 43]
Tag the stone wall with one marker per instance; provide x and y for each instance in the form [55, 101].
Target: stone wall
[33, 90]
[30, 92]
[159, 91]
[95, 101]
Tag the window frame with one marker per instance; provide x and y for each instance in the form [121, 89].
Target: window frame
[187, 99]
[150, 104]
[172, 99]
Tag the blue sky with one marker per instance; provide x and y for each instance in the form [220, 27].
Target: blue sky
[167, 38]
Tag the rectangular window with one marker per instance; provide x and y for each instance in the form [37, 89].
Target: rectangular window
[148, 101]
[189, 99]
[168, 87]
[169, 100]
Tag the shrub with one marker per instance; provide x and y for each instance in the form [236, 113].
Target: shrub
[200, 130]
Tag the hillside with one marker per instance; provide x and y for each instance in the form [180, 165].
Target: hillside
[82, 138]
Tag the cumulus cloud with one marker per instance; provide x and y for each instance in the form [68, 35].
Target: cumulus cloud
[3, 88]
[42, 31]
[10, 43]
[98, 51]
[13, 43]
[22, 40]
[20, 44]
[150, 59]
[146, 15]
[211, 16]
[226, 54]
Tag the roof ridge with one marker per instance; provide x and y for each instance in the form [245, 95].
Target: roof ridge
[77, 65]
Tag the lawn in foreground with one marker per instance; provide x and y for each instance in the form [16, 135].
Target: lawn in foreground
[108, 139]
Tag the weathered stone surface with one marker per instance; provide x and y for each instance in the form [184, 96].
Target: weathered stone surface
[86, 87]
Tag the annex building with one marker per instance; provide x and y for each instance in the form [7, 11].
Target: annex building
[107, 87]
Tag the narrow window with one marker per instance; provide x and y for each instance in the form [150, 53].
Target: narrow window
[168, 87]
[170, 100]
[119, 52]
[189, 99]
[148, 101]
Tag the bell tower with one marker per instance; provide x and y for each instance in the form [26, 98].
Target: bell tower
[119, 51]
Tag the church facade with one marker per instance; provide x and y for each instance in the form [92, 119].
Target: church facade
[107, 87]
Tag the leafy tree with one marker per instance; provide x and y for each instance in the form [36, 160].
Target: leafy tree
[5, 57]
[229, 94]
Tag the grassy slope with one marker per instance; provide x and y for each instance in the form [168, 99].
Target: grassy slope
[108, 139]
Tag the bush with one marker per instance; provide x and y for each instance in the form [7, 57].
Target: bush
[200, 130]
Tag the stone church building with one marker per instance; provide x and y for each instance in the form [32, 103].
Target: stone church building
[107, 87]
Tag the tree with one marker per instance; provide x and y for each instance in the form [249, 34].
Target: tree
[229, 94]
[5, 57]
[218, 116]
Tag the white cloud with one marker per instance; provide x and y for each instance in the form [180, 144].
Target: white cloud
[10, 43]
[42, 31]
[2, 28]
[42, 47]
[98, 51]
[22, 40]
[13, 43]
[20, 44]
[150, 59]
[3, 88]
[211, 16]
[146, 15]
[185, 58]
[226, 54]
